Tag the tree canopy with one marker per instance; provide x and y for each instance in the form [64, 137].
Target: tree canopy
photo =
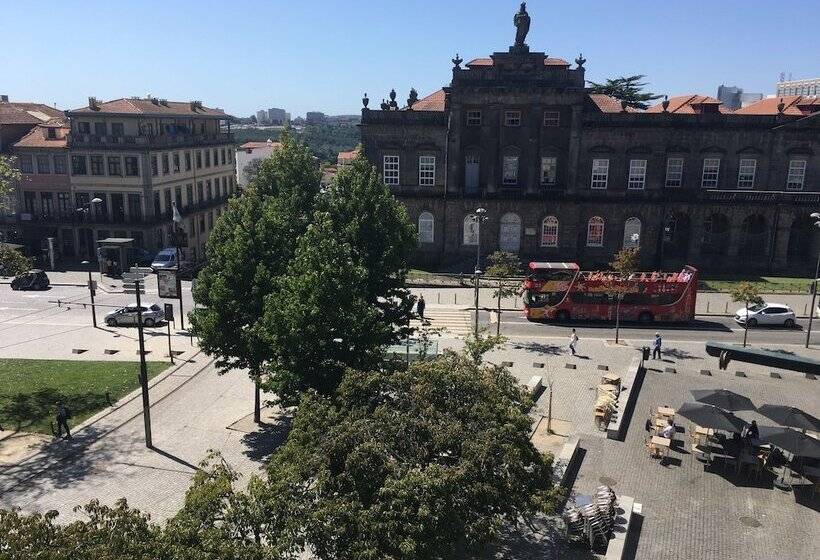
[628, 89]
[9, 175]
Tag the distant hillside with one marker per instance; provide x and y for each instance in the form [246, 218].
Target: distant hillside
[324, 140]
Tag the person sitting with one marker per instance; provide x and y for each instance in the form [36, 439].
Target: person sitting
[752, 432]
[669, 431]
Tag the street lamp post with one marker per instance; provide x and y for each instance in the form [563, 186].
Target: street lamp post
[816, 217]
[84, 209]
[91, 293]
[479, 217]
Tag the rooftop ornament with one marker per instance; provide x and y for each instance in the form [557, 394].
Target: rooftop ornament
[623, 106]
[521, 20]
[365, 100]
[580, 61]
[781, 106]
[393, 105]
[414, 96]
[385, 105]
[457, 61]
[665, 104]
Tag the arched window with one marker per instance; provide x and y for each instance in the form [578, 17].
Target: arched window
[595, 232]
[754, 236]
[427, 226]
[632, 233]
[470, 230]
[509, 234]
[549, 232]
[715, 235]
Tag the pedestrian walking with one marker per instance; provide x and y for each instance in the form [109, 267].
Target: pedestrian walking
[573, 341]
[420, 306]
[656, 347]
[63, 415]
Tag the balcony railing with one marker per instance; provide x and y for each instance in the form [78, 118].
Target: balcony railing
[77, 140]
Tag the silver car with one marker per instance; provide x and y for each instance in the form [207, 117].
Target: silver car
[152, 314]
[766, 314]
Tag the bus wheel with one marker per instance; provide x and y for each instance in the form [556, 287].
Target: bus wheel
[562, 315]
[645, 317]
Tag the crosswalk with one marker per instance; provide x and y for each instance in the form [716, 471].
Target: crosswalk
[453, 322]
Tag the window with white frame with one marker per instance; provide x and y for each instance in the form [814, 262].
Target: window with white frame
[549, 170]
[632, 233]
[600, 173]
[473, 118]
[470, 234]
[637, 174]
[746, 174]
[426, 227]
[390, 170]
[711, 172]
[595, 232]
[552, 118]
[549, 232]
[427, 171]
[510, 170]
[512, 118]
[797, 175]
[674, 172]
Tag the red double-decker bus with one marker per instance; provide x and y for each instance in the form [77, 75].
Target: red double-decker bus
[562, 291]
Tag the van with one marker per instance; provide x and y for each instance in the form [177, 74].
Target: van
[167, 258]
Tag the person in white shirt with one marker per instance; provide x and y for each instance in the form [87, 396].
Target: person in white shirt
[669, 430]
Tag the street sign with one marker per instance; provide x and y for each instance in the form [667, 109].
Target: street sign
[169, 312]
[167, 284]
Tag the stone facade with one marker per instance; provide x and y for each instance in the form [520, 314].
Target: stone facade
[519, 135]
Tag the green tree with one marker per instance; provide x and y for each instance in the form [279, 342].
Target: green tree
[9, 176]
[12, 261]
[431, 462]
[747, 293]
[503, 265]
[249, 248]
[625, 263]
[628, 89]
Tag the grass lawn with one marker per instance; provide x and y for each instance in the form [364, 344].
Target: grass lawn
[30, 389]
[765, 284]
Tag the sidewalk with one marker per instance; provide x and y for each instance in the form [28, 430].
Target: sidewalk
[192, 409]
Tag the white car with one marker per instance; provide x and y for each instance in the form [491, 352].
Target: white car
[152, 314]
[777, 314]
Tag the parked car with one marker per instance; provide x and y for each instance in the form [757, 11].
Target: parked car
[152, 314]
[166, 258]
[32, 280]
[766, 314]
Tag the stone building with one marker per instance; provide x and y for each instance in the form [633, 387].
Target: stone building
[113, 169]
[566, 175]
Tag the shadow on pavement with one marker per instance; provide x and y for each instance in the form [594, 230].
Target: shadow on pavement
[540, 348]
[260, 444]
[174, 458]
[679, 354]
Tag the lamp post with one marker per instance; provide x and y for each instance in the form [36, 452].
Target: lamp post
[480, 216]
[815, 216]
[91, 292]
[84, 209]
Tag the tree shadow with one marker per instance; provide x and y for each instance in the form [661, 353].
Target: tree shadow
[261, 443]
[36, 410]
[540, 348]
[679, 354]
[544, 539]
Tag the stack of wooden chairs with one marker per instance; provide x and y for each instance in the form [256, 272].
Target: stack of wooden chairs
[606, 403]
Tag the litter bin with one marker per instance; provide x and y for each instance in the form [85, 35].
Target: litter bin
[645, 351]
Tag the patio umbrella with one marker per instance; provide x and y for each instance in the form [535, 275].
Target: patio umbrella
[792, 441]
[722, 398]
[790, 416]
[710, 416]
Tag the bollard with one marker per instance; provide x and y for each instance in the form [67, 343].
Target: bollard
[707, 306]
[438, 299]
[726, 310]
[455, 298]
[805, 307]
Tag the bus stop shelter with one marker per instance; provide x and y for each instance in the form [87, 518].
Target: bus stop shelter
[112, 254]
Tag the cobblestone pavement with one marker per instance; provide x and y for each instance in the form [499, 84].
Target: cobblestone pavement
[191, 411]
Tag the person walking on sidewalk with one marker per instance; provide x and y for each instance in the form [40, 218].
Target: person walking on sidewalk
[420, 307]
[656, 347]
[62, 420]
[573, 341]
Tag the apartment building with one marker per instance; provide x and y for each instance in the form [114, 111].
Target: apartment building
[122, 163]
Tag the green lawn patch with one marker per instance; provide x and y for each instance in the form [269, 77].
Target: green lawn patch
[765, 284]
[30, 389]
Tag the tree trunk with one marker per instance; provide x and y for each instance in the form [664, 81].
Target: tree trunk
[746, 325]
[498, 317]
[617, 319]
[257, 412]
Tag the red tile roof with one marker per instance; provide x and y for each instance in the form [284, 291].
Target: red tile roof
[609, 104]
[796, 105]
[13, 112]
[347, 156]
[256, 145]
[147, 106]
[689, 105]
[489, 62]
[38, 136]
[433, 102]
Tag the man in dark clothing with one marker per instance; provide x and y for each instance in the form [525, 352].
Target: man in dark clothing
[656, 347]
[420, 307]
[62, 420]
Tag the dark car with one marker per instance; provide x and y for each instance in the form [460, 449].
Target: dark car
[31, 280]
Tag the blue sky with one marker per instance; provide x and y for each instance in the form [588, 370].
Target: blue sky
[322, 55]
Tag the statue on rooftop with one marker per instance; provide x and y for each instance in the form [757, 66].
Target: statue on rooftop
[522, 25]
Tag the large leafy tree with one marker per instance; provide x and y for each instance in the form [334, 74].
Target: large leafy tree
[502, 266]
[12, 261]
[749, 295]
[249, 248]
[430, 462]
[625, 262]
[629, 89]
[9, 176]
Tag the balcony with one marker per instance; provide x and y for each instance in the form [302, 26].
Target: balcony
[156, 141]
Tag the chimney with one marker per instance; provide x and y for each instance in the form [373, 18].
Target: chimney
[92, 104]
[163, 102]
[155, 101]
[4, 98]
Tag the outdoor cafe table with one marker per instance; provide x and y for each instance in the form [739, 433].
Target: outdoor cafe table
[666, 411]
[662, 443]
